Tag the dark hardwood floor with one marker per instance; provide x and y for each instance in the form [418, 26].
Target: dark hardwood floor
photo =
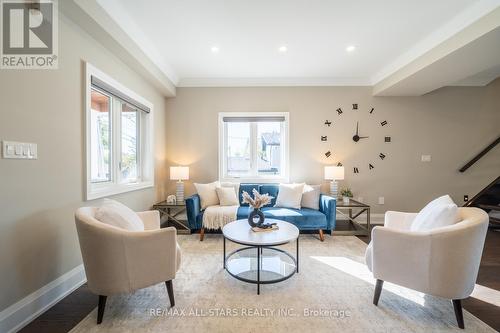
[71, 310]
[489, 276]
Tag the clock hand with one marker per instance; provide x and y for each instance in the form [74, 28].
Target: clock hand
[357, 125]
[364, 137]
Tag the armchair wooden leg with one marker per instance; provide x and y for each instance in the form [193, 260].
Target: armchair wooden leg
[100, 308]
[170, 291]
[457, 306]
[321, 235]
[202, 234]
[378, 290]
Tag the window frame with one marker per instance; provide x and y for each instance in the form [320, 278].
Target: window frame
[254, 177]
[145, 141]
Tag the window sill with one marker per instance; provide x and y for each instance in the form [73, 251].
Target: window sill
[112, 189]
[255, 179]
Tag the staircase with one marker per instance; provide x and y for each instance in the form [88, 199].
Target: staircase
[489, 200]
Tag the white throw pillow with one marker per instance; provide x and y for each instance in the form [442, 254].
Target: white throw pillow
[438, 213]
[310, 196]
[236, 186]
[227, 196]
[208, 194]
[117, 214]
[289, 195]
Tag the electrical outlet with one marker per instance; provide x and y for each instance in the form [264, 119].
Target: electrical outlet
[466, 198]
[426, 158]
[381, 200]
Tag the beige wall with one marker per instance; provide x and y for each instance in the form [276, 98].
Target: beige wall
[38, 241]
[451, 124]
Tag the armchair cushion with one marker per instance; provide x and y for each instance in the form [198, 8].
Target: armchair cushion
[118, 215]
[439, 212]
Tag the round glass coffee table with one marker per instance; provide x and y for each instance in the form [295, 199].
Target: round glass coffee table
[259, 261]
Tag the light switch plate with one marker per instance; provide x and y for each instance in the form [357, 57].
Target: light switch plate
[426, 158]
[381, 200]
[19, 150]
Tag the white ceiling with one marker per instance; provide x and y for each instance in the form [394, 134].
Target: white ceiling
[178, 37]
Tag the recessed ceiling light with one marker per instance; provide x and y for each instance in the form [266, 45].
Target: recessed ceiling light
[350, 48]
[283, 49]
[215, 49]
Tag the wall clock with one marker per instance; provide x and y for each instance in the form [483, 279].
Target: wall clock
[359, 126]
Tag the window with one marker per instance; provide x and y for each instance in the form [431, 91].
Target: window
[118, 136]
[253, 146]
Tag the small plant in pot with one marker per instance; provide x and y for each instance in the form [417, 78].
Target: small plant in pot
[257, 202]
[346, 194]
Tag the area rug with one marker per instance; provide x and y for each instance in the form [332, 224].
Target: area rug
[332, 293]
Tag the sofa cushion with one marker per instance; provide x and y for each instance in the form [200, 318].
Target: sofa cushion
[272, 190]
[247, 188]
[311, 218]
[304, 218]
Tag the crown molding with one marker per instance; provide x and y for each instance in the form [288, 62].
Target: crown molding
[273, 82]
[96, 21]
[115, 10]
[451, 59]
[458, 23]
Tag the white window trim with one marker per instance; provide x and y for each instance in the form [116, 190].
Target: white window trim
[285, 173]
[146, 169]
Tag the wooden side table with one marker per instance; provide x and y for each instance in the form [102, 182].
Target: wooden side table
[173, 215]
[351, 212]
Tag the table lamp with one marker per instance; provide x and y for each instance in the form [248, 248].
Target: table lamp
[179, 173]
[334, 173]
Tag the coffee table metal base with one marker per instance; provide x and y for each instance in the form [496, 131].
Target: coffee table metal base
[261, 264]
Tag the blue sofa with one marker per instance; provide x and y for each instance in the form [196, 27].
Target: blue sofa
[304, 219]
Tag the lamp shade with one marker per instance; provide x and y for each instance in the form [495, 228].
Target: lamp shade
[334, 172]
[179, 173]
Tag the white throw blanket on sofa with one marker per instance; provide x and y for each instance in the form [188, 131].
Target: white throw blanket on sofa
[215, 217]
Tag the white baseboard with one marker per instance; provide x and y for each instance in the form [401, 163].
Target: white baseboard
[20, 314]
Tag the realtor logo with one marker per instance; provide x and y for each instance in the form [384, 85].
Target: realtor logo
[29, 34]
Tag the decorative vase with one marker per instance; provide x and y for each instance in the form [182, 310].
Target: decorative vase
[253, 214]
[345, 199]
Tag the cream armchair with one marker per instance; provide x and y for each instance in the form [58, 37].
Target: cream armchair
[120, 261]
[442, 262]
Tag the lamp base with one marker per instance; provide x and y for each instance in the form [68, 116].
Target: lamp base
[179, 192]
[334, 189]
